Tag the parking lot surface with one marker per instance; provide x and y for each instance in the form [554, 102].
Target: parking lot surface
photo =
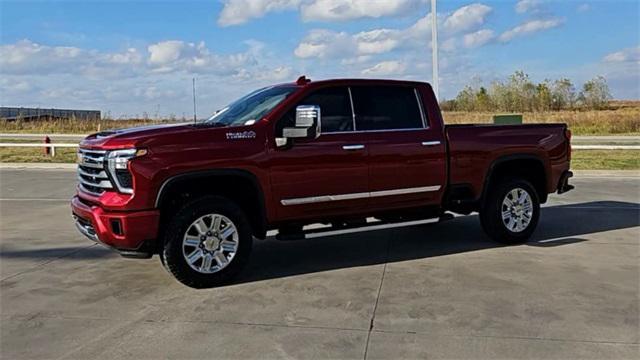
[430, 291]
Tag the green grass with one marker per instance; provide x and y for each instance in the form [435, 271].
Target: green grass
[35, 155]
[582, 159]
[605, 160]
[617, 121]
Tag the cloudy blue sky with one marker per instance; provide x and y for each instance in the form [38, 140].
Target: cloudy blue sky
[129, 58]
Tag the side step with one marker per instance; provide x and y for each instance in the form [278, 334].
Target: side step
[371, 225]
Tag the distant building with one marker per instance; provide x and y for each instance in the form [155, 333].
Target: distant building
[13, 113]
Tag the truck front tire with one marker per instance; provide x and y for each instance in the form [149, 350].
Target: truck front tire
[511, 211]
[207, 242]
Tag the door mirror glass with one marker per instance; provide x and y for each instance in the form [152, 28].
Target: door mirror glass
[308, 123]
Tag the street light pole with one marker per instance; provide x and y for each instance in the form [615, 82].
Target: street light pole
[434, 48]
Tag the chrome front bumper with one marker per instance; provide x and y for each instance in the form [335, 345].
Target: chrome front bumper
[85, 228]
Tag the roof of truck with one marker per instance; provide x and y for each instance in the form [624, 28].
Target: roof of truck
[304, 81]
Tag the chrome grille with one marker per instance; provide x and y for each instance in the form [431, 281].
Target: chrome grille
[92, 173]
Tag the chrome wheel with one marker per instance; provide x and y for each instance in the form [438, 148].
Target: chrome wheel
[210, 243]
[517, 210]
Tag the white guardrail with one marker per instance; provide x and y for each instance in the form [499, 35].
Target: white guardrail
[53, 146]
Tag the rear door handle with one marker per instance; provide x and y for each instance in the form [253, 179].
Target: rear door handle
[353, 147]
[430, 143]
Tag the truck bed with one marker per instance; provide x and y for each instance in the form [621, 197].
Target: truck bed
[475, 148]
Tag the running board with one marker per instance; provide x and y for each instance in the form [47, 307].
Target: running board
[370, 226]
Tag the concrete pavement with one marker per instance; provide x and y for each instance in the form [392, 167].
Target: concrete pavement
[430, 291]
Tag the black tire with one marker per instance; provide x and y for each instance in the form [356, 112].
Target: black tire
[491, 213]
[173, 259]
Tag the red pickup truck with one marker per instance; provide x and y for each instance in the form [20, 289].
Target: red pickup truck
[344, 153]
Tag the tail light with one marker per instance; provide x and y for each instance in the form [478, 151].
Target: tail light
[567, 134]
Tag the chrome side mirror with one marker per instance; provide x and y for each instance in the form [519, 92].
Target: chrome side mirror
[308, 123]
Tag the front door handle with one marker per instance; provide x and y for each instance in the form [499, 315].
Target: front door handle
[353, 147]
[430, 143]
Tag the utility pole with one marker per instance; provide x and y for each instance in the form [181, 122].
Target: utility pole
[434, 49]
[195, 120]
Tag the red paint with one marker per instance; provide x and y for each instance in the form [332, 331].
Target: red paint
[46, 150]
[391, 160]
[138, 226]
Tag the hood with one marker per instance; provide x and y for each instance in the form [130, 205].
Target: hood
[139, 130]
[128, 136]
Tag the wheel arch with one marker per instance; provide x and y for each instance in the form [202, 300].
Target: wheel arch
[528, 166]
[237, 185]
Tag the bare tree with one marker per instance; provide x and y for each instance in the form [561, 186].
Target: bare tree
[563, 94]
[520, 94]
[595, 93]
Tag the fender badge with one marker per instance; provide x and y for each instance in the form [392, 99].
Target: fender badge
[241, 135]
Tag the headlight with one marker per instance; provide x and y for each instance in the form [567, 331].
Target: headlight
[118, 166]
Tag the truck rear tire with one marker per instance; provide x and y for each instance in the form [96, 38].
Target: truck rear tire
[511, 211]
[207, 242]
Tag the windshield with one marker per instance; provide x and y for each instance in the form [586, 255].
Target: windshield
[251, 108]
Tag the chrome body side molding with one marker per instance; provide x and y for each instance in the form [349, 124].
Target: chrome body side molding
[354, 196]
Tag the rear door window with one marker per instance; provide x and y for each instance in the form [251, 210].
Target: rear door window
[386, 108]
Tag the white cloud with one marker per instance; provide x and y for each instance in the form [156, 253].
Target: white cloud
[280, 73]
[625, 55]
[153, 93]
[165, 52]
[422, 27]
[325, 44]
[478, 38]
[236, 12]
[530, 27]
[176, 55]
[449, 45]
[155, 79]
[131, 56]
[386, 68]
[524, 6]
[330, 44]
[622, 71]
[28, 57]
[467, 17]
[18, 86]
[377, 41]
[362, 59]
[584, 8]
[341, 10]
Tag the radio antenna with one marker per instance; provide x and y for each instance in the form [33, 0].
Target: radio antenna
[194, 102]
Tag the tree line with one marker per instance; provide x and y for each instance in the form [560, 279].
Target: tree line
[519, 94]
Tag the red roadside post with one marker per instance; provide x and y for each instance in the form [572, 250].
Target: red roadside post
[47, 150]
